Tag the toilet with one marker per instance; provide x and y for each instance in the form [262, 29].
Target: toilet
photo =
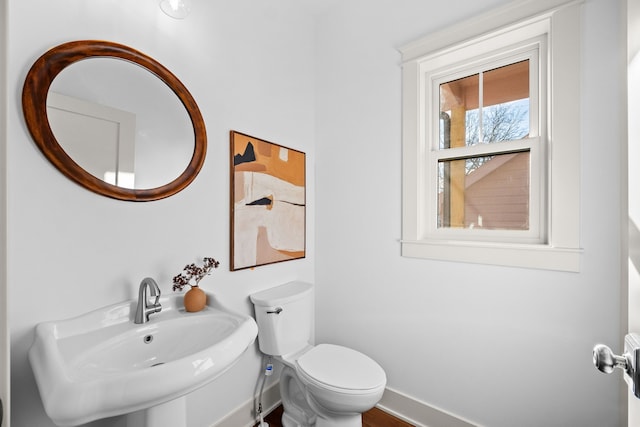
[324, 385]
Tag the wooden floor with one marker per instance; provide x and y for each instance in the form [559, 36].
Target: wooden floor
[373, 418]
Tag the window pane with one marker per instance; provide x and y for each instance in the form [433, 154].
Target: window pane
[486, 107]
[490, 192]
[457, 98]
[505, 106]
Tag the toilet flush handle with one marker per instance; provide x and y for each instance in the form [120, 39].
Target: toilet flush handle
[278, 310]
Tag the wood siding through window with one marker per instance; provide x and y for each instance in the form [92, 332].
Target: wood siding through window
[498, 192]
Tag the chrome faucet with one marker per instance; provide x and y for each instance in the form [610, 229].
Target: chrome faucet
[148, 287]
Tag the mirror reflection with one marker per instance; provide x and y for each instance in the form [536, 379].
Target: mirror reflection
[120, 123]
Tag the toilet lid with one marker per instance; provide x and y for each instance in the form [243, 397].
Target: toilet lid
[341, 367]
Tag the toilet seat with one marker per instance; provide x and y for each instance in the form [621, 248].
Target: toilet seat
[340, 369]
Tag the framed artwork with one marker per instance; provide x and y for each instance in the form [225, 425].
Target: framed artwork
[268, 202]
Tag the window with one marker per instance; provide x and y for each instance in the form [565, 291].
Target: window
[481, 124]
[486, 152]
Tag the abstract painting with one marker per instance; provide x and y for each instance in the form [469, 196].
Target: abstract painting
[267, 202]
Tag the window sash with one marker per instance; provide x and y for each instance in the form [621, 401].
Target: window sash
[537, 206]
[533, 50]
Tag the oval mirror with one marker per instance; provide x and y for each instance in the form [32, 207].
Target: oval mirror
[124, 128]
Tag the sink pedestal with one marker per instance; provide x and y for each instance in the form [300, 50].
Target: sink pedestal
[169, 414]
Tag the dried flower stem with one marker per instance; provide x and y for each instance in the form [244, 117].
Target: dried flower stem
[193, 272]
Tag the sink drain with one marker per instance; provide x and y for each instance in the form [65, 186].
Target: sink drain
[147, 339]
[157, 364]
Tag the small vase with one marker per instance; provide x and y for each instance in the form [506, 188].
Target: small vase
[195, 299]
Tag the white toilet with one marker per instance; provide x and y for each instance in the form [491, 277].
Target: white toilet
[325, 385]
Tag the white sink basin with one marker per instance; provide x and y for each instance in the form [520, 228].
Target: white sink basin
[101, 364]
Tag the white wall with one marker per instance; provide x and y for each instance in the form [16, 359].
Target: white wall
[500, 347]
[249, 66]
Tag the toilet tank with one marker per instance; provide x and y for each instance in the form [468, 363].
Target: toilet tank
[284, 316]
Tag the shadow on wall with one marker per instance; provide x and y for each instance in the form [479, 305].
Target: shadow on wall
[634, 244]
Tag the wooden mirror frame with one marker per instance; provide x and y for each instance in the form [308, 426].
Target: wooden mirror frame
[34, 107]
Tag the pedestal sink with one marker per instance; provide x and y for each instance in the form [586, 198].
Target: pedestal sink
[101, 364]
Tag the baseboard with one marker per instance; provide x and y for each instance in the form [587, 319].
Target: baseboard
[244, 415]
[418, 413]
[393, 402]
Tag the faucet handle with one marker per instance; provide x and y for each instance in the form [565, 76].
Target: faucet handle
[156, 301]
[154, 290]
[156, 308]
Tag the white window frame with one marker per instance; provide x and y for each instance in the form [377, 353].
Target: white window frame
[553, 28]
[535, 144]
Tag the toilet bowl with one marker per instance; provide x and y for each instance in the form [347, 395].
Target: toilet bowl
[325, 385]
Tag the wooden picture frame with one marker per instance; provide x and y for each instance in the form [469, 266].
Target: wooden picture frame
[268, 202]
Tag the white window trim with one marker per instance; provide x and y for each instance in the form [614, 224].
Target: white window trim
[559, 21]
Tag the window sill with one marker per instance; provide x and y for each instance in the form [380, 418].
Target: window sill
[542, 257]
